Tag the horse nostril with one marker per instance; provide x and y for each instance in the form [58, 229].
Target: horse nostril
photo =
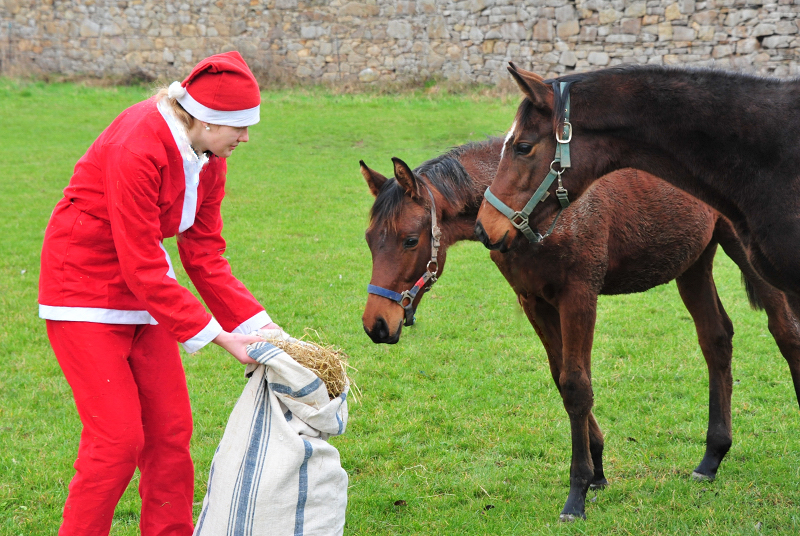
[380, 332]
[381, 329]
[480, 233]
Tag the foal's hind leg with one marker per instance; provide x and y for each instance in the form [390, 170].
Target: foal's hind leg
[715, 333]
[547, 323]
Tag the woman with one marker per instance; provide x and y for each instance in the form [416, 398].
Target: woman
[114, 310]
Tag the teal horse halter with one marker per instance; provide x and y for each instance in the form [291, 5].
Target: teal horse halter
[519, 219]
[406, 298]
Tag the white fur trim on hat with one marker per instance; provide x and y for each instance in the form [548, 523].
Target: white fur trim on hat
[176, 90]
[234, 118]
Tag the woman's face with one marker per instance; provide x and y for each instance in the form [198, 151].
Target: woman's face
[220, 139]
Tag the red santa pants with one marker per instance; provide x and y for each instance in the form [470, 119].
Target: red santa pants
[131, 395]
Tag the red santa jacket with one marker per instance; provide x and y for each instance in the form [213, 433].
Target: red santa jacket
[103, 259]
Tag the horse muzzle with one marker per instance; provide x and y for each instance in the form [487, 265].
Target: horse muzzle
[483, 236]
[380, 333]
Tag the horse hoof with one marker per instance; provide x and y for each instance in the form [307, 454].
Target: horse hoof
[570, 518]
[699, 477]
[599, 484]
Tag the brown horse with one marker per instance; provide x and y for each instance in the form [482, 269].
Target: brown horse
[731, 140]
[628, 233]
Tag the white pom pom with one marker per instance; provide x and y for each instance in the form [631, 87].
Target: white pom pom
[176, 90]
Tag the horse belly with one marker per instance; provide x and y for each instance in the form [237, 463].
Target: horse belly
[654, 260]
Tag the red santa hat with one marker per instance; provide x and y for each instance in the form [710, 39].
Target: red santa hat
[220, 90]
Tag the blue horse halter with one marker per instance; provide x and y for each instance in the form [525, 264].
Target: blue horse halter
[406, 298]
[519, 219]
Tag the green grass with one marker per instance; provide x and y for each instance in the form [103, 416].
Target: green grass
[458, 416]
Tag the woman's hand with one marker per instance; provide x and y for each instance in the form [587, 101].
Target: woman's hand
[236, 345]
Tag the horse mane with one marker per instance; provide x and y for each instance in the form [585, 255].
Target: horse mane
[445, 173]
[670, 70]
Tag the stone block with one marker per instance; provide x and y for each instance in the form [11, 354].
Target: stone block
[609, 16]
[368, 75]
[785, 27]
[358, 9]
[776, 41]
[620, 38]
[682, 33]
[568, 29]
[475, 6]
[543, 31]
[722, 51]
[475, 35]
[636, 9]
[399, 29]
[89, 28]
[568, 58]
[747, 46]
[598, 58]
[513, 31]
[665, 31]
[437, 28]
[565, 13]
[673, 12]
[762, 30]
[631, 26]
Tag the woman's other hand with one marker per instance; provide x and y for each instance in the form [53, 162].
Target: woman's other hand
[236, 345]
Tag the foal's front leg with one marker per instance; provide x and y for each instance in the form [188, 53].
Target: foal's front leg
[578, 311]
[547, 323]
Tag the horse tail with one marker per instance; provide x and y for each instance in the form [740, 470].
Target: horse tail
[753, 297]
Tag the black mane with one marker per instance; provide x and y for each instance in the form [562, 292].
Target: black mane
[444, 172]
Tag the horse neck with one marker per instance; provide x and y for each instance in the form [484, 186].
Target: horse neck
[666, 121]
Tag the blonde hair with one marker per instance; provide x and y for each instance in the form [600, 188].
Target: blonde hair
[183, 116]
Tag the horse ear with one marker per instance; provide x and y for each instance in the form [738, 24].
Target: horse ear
[533, 86]
[406, 178]
[375, 180]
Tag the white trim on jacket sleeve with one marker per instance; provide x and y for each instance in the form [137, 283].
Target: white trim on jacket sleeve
[94, 314]
[255, 322]
[206, 335]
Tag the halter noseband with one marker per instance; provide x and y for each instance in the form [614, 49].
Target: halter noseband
[406, 298]
[519, 219]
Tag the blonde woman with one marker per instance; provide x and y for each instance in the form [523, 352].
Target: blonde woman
[114, 310]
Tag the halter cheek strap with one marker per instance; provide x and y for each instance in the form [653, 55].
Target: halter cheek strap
[406, 298]
[519, 219]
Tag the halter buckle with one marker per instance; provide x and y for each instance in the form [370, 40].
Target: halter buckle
[564, 134]
[519, 220]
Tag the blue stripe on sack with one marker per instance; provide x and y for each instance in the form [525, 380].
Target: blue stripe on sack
[263, 351]
[288, 415]
[341, 424]
[262, 460]
[257, 403]
[302, 493]
[305, 391]
[244, 494]
[207, 504]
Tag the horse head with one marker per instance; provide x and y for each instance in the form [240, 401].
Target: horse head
[534, 164]
[405, 250]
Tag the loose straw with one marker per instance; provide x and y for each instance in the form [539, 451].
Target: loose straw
[327, 362]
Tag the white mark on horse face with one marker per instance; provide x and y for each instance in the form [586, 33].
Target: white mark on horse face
[508, 137]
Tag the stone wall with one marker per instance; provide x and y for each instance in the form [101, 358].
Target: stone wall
[368, 41]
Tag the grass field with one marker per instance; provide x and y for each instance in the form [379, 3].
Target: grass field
[459, 429]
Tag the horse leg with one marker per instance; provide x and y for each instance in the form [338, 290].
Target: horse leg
[547, 323]
[715, 334]
[781, 308]
[578, 312]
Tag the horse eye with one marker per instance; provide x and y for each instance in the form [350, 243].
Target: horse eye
[523, 149]
[411, 242]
